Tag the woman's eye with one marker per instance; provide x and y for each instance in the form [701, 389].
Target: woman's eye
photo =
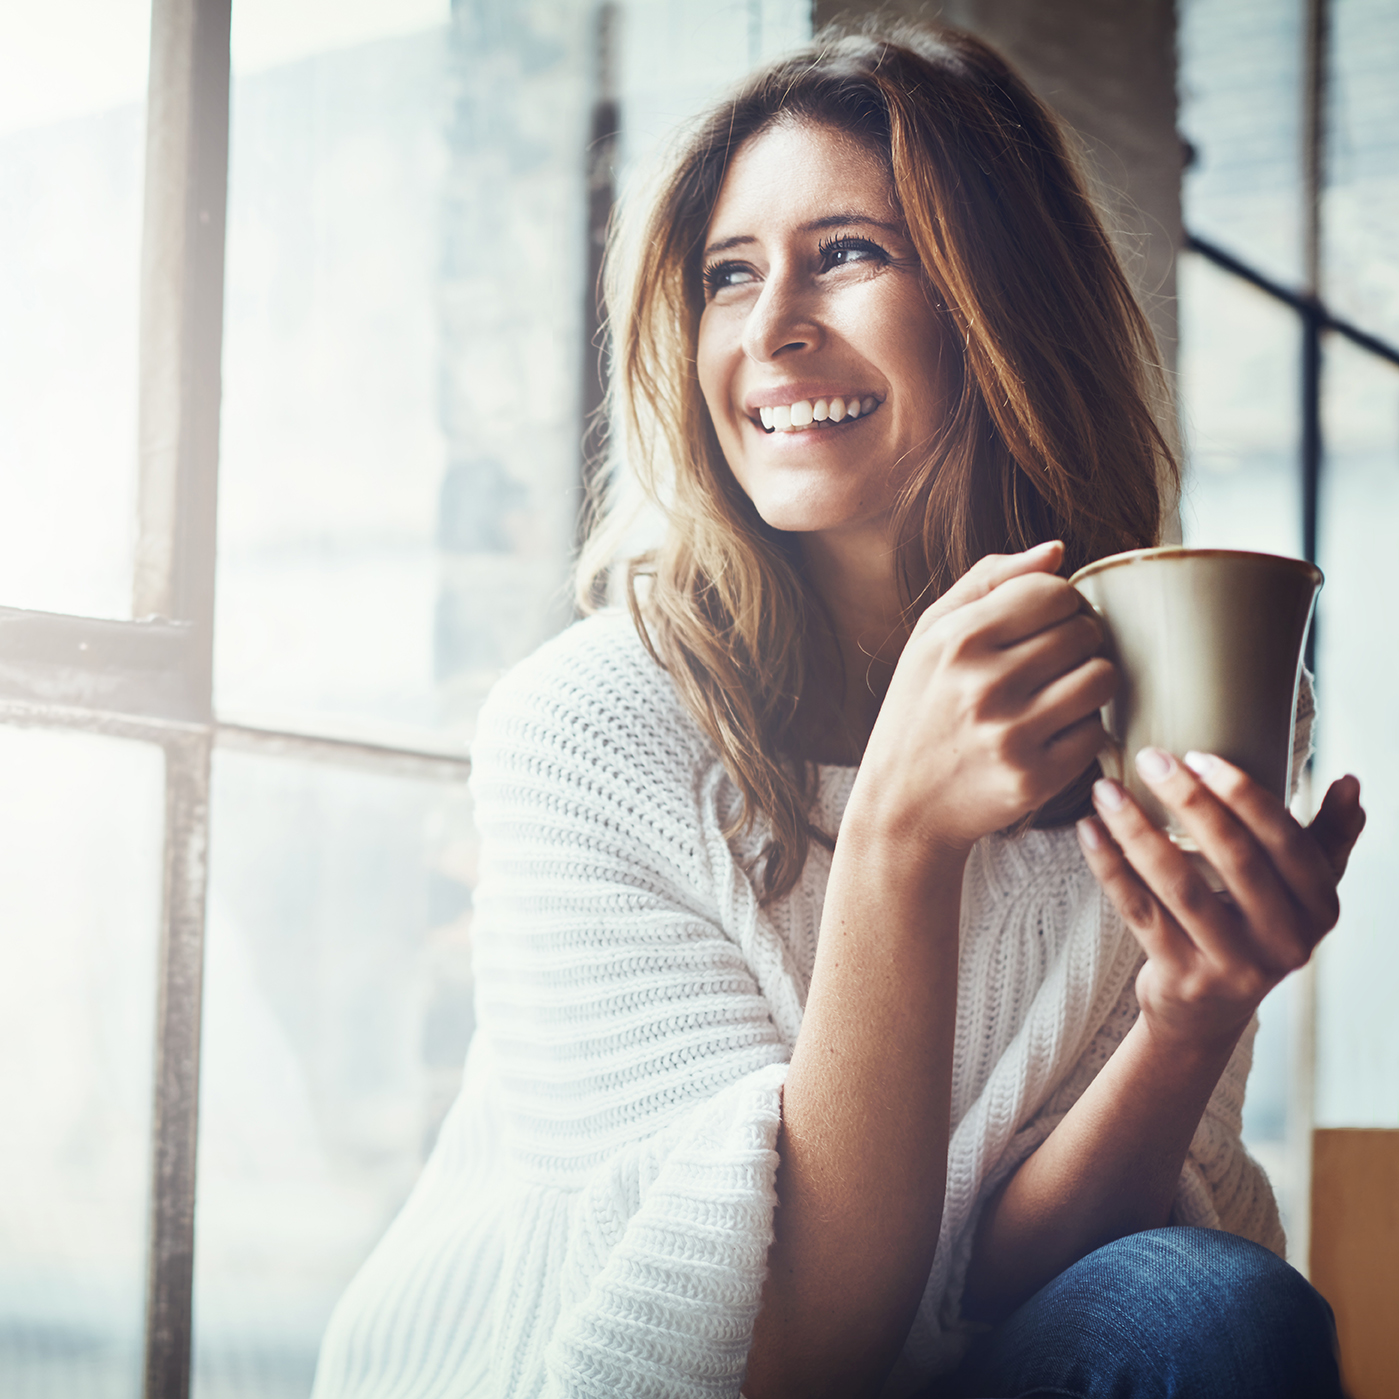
[726, 274]
[840, 252]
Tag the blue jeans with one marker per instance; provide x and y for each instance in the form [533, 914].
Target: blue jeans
[1166, 1314]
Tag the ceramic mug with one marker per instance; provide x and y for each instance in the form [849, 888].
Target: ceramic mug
[1208, 645]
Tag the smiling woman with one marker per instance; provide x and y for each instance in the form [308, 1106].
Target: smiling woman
[815, 1054]
[787, 281]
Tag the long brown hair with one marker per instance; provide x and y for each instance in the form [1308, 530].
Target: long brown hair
[1053, 434]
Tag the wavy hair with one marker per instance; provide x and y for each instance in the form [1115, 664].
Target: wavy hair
[1053, 432]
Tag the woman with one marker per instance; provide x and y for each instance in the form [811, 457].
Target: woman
[812, 1042]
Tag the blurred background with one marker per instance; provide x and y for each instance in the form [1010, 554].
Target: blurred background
[297, 347]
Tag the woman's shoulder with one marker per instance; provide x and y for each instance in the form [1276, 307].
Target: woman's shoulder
[593, 700]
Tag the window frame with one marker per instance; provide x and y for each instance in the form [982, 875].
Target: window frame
[1317, 320]
[151, 679]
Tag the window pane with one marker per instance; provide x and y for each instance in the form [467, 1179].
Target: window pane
[403, 356]
[1361, 208]
[1239, 386]
[1241, 110]
[81, 822]
[1358, 666]
[1239, 367]
[337, 1016]
[72, 148]
[678, 57]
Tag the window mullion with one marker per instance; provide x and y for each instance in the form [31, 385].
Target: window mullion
[178, 442]
[182, 318]
[170, 1275]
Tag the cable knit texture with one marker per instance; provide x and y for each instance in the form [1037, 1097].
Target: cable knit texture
[596, 1216]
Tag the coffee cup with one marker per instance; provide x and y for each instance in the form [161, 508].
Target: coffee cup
[1208, 645]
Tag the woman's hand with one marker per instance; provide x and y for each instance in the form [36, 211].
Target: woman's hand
[993, 707]
[1211, 959]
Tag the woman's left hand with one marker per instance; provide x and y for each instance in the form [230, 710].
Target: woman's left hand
[1211, 959]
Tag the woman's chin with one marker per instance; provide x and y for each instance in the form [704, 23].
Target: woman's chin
[810, 518]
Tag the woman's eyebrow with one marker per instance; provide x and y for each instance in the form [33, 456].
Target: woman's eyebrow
[841, 220]
[844, 220]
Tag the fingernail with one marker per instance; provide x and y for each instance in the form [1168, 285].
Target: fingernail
[1088, 834]
[1107, 793]
[1202, 763]
[1154, 765]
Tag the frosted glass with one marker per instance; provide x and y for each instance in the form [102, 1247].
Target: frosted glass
[81, 821]
[1239, 385]
[337, 1016]
[1361, 207]
[1358, 672]
[1241, 73]
[402, 359]
[72, 147]
[678, 58]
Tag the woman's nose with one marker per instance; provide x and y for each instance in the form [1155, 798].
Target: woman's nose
[783, 320]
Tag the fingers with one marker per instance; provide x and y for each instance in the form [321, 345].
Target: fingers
[1159, 934]
[1264, 857]
[1022, 607]
[990, 573]
[1173, 879]
[1070, 751]
[1338, 824]
[1069, 697]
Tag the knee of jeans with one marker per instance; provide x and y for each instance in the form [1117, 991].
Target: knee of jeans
[1223, 1273]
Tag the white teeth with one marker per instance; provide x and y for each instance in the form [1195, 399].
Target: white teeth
[793, 417]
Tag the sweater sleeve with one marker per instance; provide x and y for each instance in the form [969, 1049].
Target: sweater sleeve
[638, 1064]
[596, 1215]
[1221, 1186]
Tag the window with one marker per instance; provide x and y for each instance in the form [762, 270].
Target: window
[328, 267]
[1290, 387]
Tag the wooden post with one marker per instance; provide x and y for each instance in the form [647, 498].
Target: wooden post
[1355, 1251]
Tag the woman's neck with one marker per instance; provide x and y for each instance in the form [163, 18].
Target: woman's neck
[858, 582]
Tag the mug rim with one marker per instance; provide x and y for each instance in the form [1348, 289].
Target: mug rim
[1164, 552]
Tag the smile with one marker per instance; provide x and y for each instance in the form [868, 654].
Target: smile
[804, 414]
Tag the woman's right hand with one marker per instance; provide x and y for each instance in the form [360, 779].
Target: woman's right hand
[993, 706]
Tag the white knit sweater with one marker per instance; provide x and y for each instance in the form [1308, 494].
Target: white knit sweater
[596, 1216]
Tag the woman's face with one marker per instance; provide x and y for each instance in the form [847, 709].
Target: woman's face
[820, 352]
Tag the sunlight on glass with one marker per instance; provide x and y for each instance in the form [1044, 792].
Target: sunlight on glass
[71, 58]
[337, 1016]
[402, 360]
[1239, 356]
[1361, 206]
[675, 59]
[1358, 666]
[1241, 111]
[81, 821]
[72, 147]
[1238, 386]
[270, 32]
